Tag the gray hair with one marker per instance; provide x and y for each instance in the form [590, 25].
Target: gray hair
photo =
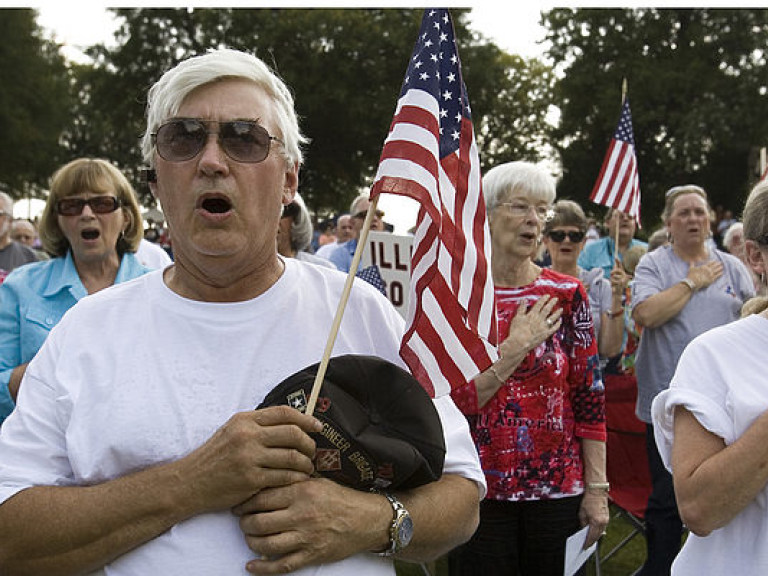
[6, 202]
[359, 199]
[501, 181]
[675, 192]
[167, 94]
[728, 236]
[756, 214]
[301, 226]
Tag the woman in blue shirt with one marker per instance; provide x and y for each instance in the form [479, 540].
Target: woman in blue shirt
[91, 226]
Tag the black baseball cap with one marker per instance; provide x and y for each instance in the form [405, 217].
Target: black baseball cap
[380, 427]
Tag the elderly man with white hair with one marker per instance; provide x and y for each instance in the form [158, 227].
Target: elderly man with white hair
[733, 241]
[12, 254]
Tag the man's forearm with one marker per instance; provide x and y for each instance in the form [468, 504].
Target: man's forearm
[70, 530]
[445, 514]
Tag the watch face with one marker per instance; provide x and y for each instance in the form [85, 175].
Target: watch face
[405, 531]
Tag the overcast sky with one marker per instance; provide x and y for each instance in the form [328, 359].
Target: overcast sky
[513, 26]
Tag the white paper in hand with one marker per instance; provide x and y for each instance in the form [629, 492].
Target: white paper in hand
[575, 554]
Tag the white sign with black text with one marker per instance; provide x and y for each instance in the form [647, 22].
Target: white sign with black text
[392, 255]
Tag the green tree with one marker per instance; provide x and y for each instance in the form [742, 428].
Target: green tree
[33, 104]
[697, 88]
[345, 68]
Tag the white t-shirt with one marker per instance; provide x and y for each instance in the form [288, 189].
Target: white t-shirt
[136, 375]
[152, 255]
[720, 379]
[325, 250]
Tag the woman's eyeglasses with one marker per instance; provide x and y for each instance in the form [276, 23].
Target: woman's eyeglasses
[559, 236]
[183, 139]
[97, 204]
[543, 212]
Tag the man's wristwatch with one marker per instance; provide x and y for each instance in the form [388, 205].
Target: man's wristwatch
[401, 529]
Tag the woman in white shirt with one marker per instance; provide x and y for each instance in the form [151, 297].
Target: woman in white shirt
[711, 428]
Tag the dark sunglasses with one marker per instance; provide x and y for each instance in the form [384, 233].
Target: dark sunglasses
[97, 204]
[183, 139]
[559, 235]
[363, 213]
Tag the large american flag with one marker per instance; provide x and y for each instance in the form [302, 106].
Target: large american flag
[430, 155]
[618, 185]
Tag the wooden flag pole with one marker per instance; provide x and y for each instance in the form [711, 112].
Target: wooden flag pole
[361, 241]
[616, 236]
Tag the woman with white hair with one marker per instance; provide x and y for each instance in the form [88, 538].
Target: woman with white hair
[537, 415]
[711, 427]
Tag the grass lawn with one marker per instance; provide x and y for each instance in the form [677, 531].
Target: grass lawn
[623, 563]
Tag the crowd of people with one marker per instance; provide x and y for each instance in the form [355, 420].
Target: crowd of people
[129, 381]
[134, 442]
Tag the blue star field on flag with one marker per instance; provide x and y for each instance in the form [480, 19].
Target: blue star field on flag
[435, 58]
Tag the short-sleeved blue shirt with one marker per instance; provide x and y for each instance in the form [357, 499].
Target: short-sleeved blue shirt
[599, 254]
[33, 299]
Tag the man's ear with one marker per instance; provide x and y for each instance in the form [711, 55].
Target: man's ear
[149, 176]
[755, 257]
[291, 183]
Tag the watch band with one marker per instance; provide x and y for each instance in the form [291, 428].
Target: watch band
[401, 529]
[688, 282]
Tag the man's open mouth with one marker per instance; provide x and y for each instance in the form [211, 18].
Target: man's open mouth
[216, 204]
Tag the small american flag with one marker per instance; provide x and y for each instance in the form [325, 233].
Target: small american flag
[430, 155]
[372, 275]
[618, 185]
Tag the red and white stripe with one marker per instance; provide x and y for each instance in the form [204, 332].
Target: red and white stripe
[618, 185]
[451, 324]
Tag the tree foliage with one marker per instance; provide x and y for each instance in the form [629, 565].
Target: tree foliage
[697, 87]
[345, 67]
[33, 103]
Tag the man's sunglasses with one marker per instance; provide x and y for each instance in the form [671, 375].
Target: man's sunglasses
[559, 236]
[183, 139]
[363, 213]
[97, 204]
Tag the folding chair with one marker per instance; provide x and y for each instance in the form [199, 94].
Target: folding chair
[627, 462]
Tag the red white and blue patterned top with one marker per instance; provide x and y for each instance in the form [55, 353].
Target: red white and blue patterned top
[528, 434]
